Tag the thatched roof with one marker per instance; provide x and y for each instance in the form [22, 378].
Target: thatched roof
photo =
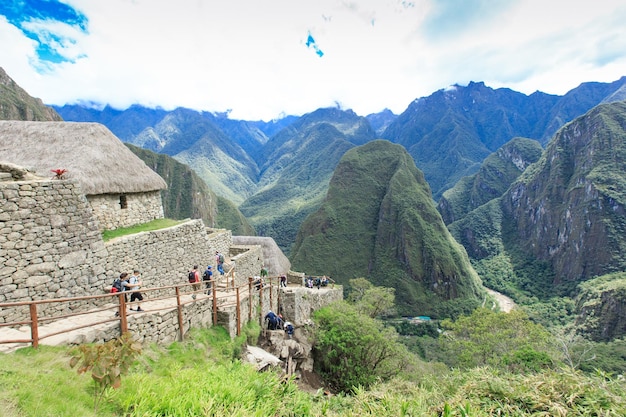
[89, 152]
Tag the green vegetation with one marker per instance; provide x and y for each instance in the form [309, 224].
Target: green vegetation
[107, 362]
[188, 197]
[378, 221]
[497, 172]
[203, 376]
[145, 227]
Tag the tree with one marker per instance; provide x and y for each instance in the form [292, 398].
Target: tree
[353, 349]
[371, 300]
[498, 339]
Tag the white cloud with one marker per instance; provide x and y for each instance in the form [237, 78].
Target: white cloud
[251, 56]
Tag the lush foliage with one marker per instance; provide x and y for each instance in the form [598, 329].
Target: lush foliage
[202, 377]
[496, 339]
[355, 350]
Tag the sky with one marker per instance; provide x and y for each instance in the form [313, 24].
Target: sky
[263, 59]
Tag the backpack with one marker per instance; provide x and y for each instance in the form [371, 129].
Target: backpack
[192, 276]
[117, 285]
[207, 275]
[221, 258]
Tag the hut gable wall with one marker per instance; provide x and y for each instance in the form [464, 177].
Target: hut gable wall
[123, 210]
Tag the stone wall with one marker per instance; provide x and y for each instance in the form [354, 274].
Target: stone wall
[247, 262]
[51, 247]
[164, 257]
[299, 303]
[50, 243]
[114, 210]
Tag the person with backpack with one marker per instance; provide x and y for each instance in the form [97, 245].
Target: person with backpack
[194, 278]
[120, 285]
[207, 277]
[219, 259]
[135, 283]
[289, 329]
[272, 320]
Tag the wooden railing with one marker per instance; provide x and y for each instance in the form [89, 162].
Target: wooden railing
[224, 294]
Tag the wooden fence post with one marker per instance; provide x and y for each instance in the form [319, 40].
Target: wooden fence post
[179, 307]
[34, 325]
[238, 313]
[214, 286]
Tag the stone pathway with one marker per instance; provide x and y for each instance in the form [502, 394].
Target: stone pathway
[107, 319]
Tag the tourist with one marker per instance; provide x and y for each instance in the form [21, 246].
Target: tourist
[207, 277]
[134, 284]
[219, 259]
[194, 279]
[272, 320]
[283, 280]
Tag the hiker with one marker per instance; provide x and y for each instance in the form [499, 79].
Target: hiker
[318, 282]
[272, 320]
[123, 285]
[194, 278]
[324, 281]
[134, 284]
[207, 277]
[309, 282]
[283, 280]
[219, 259]
[263, 271]
[258, 283]
[289, 329]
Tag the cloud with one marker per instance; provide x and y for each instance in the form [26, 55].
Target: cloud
[263, 59]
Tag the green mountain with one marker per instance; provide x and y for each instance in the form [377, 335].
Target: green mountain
[495, 175]
[563, 221]
[17, 104]
[452, 131]
[299, 162]
[188, 196]
[379, 221]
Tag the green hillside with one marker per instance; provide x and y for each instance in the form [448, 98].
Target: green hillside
[299, 162]
[379, 221]
[496, 174]
[188, 196]
[17, 104]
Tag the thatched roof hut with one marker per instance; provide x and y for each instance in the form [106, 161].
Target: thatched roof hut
[89, 152]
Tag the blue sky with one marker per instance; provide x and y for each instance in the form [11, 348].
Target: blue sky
[262, 59]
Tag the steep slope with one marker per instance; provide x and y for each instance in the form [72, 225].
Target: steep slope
[450, 132]
[568, 208]
[192, 138]
[188, 196]
[17, 104]
[379, 221]
[496, 174]
[562, 221]
[298, 164]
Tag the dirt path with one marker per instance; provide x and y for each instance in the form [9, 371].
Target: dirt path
[506, 304]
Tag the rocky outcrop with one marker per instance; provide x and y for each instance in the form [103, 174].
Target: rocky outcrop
[569, 208]
[601, 308]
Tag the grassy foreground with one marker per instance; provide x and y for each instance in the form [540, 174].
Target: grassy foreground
[203, 377]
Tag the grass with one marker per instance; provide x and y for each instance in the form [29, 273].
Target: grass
[145, 227]
[203, 376]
